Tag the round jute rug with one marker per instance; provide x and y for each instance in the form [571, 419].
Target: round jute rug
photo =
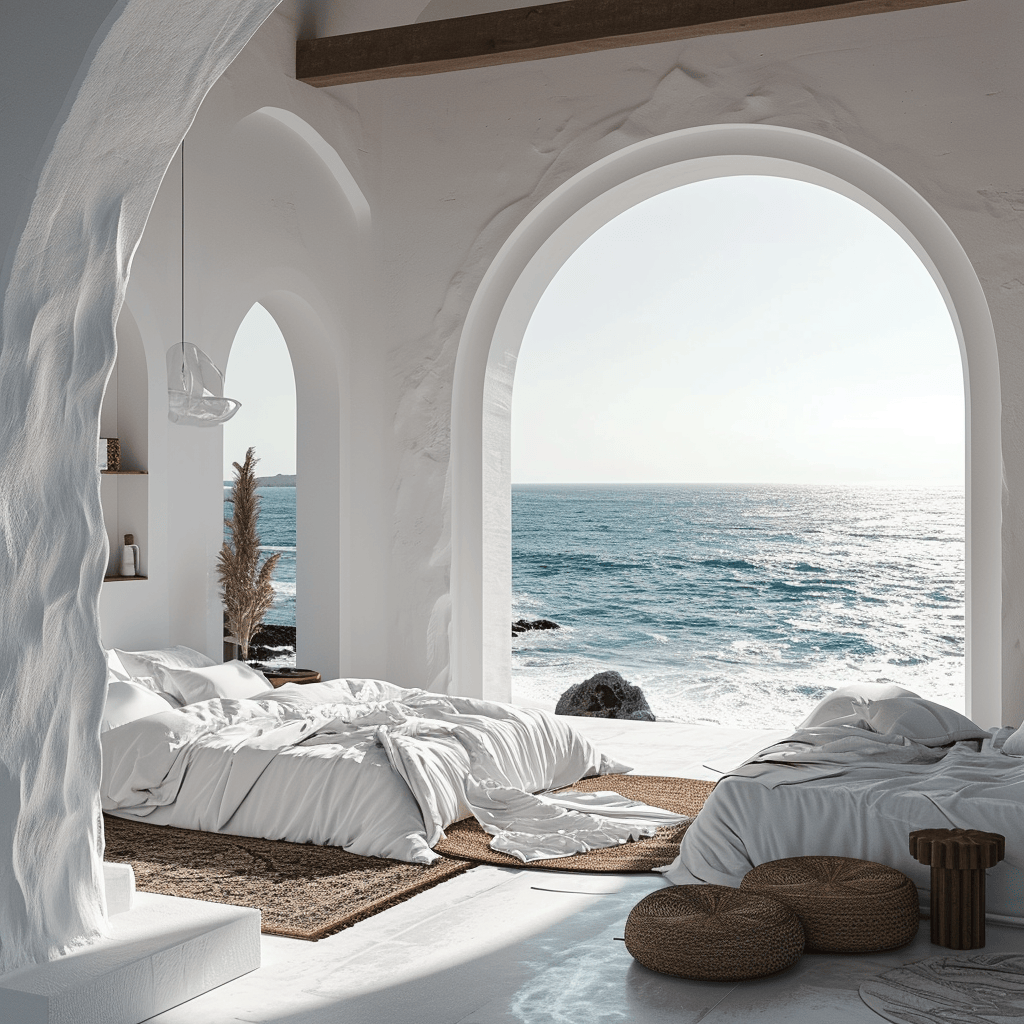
[979, 989]
[467, 840]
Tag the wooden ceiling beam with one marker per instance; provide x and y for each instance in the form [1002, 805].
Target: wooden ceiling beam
[555, 30]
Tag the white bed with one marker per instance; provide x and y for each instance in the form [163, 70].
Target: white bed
[839, 788]
[362, 764]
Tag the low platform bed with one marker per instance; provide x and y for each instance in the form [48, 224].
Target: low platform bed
[855, 780]
[363, 764]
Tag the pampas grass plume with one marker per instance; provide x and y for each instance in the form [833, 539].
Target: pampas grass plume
[245, 583]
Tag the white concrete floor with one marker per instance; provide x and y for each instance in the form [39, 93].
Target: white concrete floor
[538, 947]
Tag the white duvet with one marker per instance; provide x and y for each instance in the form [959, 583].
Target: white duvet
[844, 791]
[371, 767]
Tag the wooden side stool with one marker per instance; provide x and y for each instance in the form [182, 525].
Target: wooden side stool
[958, 859]
[280, 676]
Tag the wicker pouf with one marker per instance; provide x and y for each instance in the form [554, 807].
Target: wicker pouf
[845, 905]
[713, 933]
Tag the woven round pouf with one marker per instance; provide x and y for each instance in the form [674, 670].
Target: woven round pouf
[713, 933]
[845, 905]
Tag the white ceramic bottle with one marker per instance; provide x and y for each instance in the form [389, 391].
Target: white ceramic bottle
[130, 557]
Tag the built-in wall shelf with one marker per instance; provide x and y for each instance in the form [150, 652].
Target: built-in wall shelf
[124, 492]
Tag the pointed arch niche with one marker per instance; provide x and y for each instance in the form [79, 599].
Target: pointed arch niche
[525, 266]
[281, 222]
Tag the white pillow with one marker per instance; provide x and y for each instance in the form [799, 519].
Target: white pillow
[128, 701]
[1014, 744]
[150, 663]
[925, 722]
[839, 704]
[234, 680]
[115, 668]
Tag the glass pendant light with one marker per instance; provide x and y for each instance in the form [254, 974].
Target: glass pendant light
[195, 387]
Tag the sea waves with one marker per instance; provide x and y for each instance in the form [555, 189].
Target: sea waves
[740, 605]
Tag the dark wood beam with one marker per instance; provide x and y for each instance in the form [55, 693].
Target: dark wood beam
[555, 30]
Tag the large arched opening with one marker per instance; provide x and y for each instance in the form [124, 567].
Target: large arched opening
[526, 264]
[738, 460]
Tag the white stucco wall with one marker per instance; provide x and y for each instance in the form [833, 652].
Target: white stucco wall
[373, 300]
[448, 168]
[461, 160]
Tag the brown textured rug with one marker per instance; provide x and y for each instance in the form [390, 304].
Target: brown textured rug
[302, 891]
[309, 892]
[466, 839]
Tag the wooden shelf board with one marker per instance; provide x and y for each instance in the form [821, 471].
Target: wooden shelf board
[123, 579]
[124, 472]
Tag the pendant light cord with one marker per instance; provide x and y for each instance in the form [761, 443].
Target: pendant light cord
[183, 388]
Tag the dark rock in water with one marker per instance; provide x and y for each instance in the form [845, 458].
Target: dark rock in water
[523, 625]
[606, 695]
[271, 641]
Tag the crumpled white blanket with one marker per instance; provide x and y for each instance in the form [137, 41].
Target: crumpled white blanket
[536, 827]
[829, 750]
[371, 767]
[455, 765]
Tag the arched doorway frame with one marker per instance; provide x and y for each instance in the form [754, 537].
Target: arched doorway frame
[318, 336]
[525, 265]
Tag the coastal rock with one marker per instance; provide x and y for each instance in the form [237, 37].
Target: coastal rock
[605, 695]
[523, 625]
[272, 640]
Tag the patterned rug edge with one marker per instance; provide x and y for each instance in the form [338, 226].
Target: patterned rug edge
[375, 907]
[332, 919]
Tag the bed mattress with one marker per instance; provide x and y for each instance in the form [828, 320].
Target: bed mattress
[768, 812]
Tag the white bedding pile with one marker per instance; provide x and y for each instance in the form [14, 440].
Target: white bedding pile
[369, 766]
[856, 786]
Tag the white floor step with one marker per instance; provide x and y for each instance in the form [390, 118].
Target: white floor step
[161, 953]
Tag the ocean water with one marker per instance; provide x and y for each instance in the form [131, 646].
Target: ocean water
[276, 528]
[739, 605]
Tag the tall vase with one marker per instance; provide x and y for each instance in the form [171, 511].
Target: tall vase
[130, 557]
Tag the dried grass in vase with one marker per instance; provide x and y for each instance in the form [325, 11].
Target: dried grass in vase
[245, 583]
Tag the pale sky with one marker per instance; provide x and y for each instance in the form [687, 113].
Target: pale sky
[259, 374]
[735, 330]
[740, 330]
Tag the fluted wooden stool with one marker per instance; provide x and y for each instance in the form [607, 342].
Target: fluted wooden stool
[958, 858]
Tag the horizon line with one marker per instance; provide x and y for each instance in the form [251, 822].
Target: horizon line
[739, 483]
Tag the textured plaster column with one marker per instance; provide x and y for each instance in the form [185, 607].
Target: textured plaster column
[150, 66]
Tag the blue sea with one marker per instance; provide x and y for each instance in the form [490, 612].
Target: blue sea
[739, 605]
[277, 534]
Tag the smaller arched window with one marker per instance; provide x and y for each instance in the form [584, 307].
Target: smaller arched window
[260, 375]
